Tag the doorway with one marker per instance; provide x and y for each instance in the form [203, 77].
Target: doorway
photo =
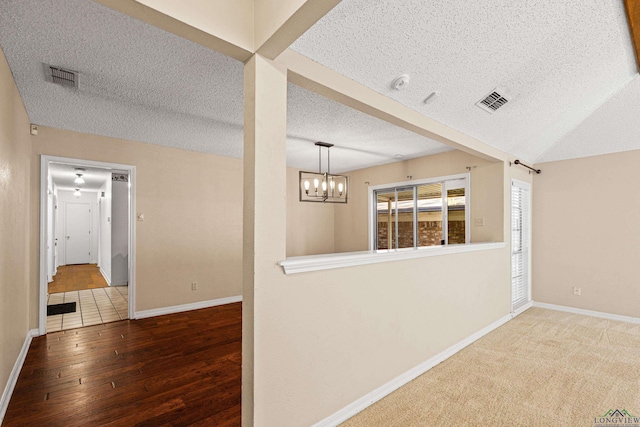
[77, 213]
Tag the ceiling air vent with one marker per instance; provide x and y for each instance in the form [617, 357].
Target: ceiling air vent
[494, 100]
[61, 76]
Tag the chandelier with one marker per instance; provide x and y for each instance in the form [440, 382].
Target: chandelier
[323, 186]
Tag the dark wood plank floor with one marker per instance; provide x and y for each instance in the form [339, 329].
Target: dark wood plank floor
[180, 369]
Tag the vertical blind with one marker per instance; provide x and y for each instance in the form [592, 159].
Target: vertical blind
[520, 230]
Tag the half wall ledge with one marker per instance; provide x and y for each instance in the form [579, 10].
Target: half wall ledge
[303, 264]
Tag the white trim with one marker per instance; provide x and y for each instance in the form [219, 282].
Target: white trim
[44, 173]
[304, 264]
[43, 284]
[106, 276]
[15, 372]
[377, 394]
[133, 179]
[187, 307]
[600, 314]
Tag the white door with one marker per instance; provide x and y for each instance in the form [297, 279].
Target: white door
[77, 235]
[520, 238]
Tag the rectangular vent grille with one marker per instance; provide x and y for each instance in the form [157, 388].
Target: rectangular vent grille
[61, 76]
[493, 101]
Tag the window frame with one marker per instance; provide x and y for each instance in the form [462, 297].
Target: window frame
[372, 207]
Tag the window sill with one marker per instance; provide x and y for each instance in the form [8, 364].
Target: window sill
[303, 264]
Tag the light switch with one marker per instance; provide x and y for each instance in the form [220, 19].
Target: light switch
[478, 222]
[140, 217]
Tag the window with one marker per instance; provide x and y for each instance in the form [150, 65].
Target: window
[420, 213]
[520, 232]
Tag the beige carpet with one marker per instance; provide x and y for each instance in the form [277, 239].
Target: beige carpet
[543, 368]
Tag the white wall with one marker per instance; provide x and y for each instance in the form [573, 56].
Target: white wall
[119, 233]
[104, 217]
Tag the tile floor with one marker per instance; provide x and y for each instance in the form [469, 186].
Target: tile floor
[93, 306]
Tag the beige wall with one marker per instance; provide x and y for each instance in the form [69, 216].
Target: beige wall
[318, 341]
[574, 244]
[328, 338]
[15, 276]
[350, 330]
[351, 220]
[192, 204]
[309, 225]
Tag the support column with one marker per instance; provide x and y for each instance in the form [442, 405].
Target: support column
[264, 209]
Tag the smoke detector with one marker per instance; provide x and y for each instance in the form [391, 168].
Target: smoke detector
[61, 76]
[494, 100]
[400, 82]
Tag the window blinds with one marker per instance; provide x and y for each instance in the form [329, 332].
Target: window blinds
[520, 232]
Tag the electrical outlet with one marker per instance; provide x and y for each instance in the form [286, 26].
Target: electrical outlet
[577, 291]
[194, 286]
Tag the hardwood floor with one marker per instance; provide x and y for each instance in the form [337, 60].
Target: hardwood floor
[179, 369]
[77, 278]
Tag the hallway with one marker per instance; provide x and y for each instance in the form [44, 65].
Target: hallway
[95, 301]
[77, 278]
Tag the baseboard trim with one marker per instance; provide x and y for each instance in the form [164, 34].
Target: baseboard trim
[106, 276]
[119, 284]
[377, 394]
[591, 313]
[187, 307]
[15, 372]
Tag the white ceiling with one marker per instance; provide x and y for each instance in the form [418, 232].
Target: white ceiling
[562, 60]
[140, 83]
[360, 140]
[569, 66]
[64, 175]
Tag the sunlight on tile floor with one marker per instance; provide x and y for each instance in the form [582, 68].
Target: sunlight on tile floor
[93, 306]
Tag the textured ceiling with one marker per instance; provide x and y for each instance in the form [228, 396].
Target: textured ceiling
[560, 60]
[610, 129]
[360, 140]
[136, 82]
[568, 66]
[140, 83]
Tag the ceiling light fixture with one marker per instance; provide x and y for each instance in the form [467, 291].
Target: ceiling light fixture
[79, 180]
[323, 186]
[77, 192]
